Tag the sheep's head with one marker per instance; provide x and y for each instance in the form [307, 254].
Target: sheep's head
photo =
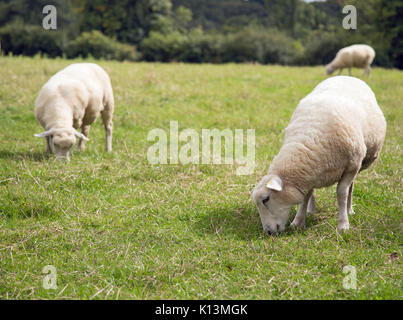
[61, 141]
[329, 69]
[274, 201]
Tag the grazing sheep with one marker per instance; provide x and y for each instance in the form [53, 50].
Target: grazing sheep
[71, 99]
[357, 55]
[335, 132]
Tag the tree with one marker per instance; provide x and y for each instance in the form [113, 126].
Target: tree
[389, 21]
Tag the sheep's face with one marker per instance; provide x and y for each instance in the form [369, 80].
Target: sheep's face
[62, 142]
[329, 69]
[274, 203]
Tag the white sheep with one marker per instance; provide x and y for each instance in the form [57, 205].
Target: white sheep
[72, 99]
[355, 56]
[335, 132]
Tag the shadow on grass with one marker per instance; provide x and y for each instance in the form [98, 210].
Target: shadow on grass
[237, 222]
[24, 155]
[241, 223]
[25, 208]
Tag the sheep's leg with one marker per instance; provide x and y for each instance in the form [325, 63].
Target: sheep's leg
[350, 209]
[311, 203]
[340, 71]
[342, 199]
[367, 71]
[299, 220]
[349, 71]
[85, 131]
[108, 125]
[48, 149]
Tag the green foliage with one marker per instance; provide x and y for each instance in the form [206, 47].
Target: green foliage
[161, 47]
[175, 46]
[248, 45]
[29, 40]
[30, 13]
[264, 31]
[127, 20]
[389, 21]
[97, 45]
[252, 45]
[321, 48]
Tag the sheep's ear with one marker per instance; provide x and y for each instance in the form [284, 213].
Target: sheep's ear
[275, 184]
[44, 134]
[80, 135]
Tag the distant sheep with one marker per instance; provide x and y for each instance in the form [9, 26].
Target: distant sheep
[335, 132]
[355, 56]
[72, 99]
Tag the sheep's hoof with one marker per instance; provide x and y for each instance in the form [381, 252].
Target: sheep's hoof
[81, 146]
[343, 228]
[295, 226]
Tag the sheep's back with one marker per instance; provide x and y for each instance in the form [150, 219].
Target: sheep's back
[73, 91]
[339, 103]
[332, 129]
[358, 55]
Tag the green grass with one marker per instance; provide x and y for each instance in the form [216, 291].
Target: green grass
[115, 226]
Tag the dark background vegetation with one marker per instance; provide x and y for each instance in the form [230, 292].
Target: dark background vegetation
[290, 32]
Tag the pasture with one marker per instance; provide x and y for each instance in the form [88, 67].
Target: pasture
[116, 227]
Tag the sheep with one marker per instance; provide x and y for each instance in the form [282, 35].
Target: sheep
[335, 132]
[358, 56]
[72, 99]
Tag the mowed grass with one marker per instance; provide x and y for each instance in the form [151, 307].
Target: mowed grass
[116, 227]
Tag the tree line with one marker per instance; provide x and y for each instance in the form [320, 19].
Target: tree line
[291, 32]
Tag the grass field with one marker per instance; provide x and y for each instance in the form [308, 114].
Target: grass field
[115, 226]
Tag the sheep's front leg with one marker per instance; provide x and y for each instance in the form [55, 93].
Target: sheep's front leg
[108, 125]
[343, 188]
[350, 209]
[85, 131]
[48, 149]
[349, 71]
[341, 69]
[299, 220]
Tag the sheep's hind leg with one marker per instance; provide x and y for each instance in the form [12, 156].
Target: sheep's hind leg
[311, 203]
[299, 220]
[343, 189]
[85, 131]
[108, 125]
[340, 71]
